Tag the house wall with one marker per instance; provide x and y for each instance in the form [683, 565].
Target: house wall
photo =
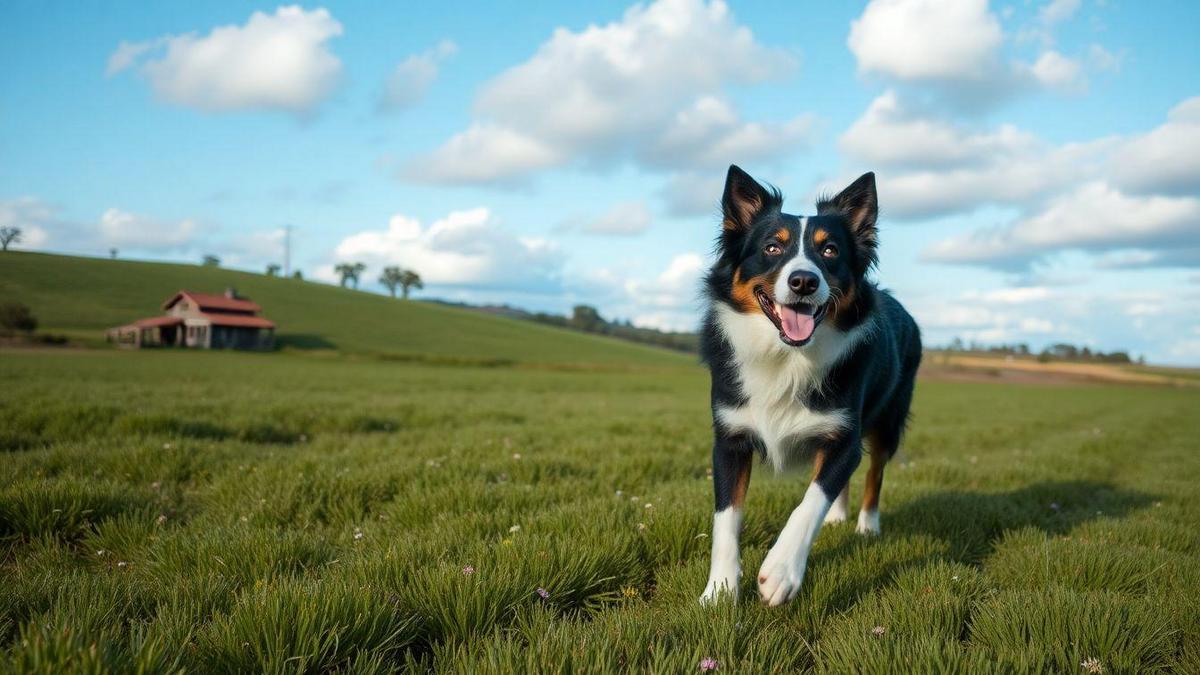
[228, 337]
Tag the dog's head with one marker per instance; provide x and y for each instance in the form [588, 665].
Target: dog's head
[796, 271]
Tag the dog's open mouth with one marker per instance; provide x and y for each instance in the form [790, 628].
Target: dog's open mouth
[796, 323]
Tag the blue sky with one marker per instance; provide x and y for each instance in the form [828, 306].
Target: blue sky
[1038, 162]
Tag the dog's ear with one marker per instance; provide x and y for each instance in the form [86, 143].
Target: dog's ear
[859, 205]
[744, 199]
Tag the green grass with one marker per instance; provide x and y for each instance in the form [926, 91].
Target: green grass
[81, 297]
[238, 512]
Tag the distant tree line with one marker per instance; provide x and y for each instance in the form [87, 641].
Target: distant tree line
[587, 319]
[1059, 351]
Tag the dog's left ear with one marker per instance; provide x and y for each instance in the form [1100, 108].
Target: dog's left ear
[859, 205]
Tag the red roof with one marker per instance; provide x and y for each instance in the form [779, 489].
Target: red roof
[214, 302]
[158, 321]
[239, 320]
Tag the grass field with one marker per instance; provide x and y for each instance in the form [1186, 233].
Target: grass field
[287, 513]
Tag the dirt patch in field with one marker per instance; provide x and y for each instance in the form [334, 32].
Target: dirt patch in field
[972, 368]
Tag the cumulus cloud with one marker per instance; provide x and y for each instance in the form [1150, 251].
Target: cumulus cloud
[33, 217]
[412, 77]
[670, 300]
[927, 40]
[121, 228]
[648, 88]
[954, 49]
[465, 249]
[46, 228]
[1093, 217]
[931, 166]
[1167, 159]
[277, 61]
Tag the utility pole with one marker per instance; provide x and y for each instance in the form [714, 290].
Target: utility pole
[287, 251]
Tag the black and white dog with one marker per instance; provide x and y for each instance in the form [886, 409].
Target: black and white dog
[807, 356]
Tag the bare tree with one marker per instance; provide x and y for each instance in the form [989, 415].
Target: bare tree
[9, 235]
[410, 279]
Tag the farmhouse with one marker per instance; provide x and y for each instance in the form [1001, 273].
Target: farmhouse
[203, 321]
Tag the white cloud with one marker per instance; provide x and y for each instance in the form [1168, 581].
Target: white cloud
[484, 153]
[121, 228]
[277, 61]
[893, 135]
[623, 219]
[1167, 159]
[927, 40]
[45, 228]
[32, 216]
[646, 88]
[411, 78]
[464, 249]
[1056, 71]
[1057, 11]
[954, 49]
[669, 301]
[1094, 217]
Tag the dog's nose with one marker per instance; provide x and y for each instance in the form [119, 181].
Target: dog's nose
[803, 282]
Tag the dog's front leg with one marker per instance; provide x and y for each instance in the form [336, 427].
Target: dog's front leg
[732, 460]
[782, 571]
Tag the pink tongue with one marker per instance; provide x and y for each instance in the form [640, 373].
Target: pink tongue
[796, 326]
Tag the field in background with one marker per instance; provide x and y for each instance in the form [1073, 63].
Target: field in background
[287, 513]
[81, 297]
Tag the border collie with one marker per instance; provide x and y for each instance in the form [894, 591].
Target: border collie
[808, 357]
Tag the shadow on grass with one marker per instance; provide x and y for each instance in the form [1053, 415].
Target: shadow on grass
[971, 522]
[305, 341]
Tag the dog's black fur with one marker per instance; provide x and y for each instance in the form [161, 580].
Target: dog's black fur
[872, 379]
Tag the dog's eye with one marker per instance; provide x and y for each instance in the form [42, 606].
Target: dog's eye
[830, 251]
[772, 249]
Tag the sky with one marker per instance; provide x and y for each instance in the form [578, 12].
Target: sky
[1038, 162]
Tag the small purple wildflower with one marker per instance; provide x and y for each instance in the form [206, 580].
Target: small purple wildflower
[543, 593]
[707, 664]
[468, 570]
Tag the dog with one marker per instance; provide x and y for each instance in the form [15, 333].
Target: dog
[808, 357]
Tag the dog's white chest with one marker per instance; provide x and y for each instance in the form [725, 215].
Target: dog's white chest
[775, 413]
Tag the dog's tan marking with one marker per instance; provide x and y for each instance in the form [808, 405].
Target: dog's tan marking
[820, 236]
[783, 235]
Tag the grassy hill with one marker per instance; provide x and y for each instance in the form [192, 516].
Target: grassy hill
[81, 297]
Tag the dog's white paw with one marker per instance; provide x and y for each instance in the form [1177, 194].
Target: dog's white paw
[837, 514]
[868, 522]
[719, 589]
[780, 576]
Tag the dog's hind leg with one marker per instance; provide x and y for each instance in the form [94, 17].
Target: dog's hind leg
[732, 460]
[840, 509]
[868, 516]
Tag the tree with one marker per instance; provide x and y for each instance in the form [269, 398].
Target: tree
[586, 318]
[211, 260]
[15, 316]
[349, 272]
[112, 253]
[9, 235]
[410, 279]
[391, 279]
[273, 270]
[298, 275]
